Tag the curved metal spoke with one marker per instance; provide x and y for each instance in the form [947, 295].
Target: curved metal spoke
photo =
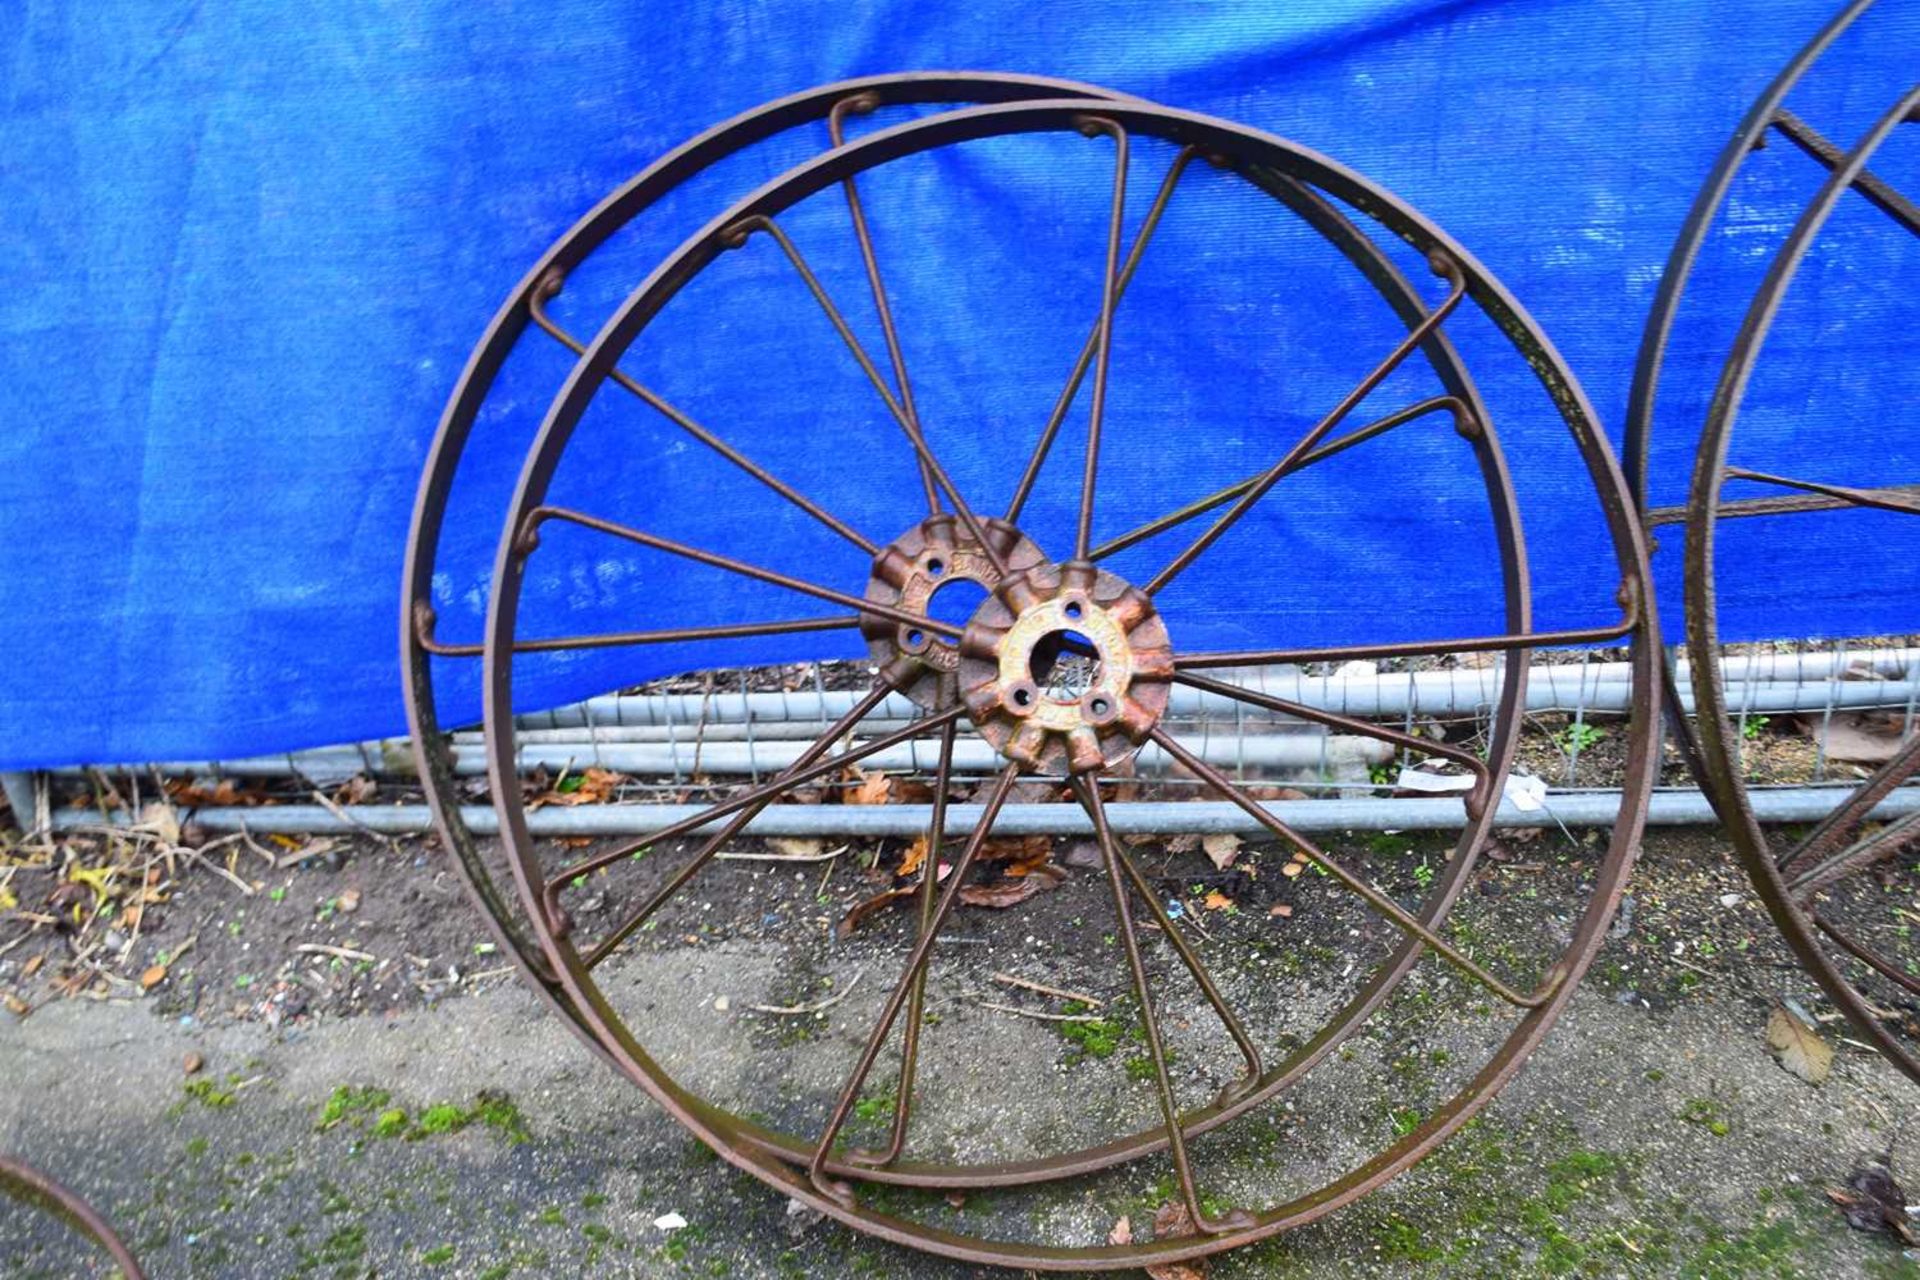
[1379, 901]
[1475, 800]
[1444, 267]
[536, 306]
[423, 622]
[1411, 648]
[1823, 845]
[1234, 1219]
[539, 515]
[1103, 332]
[916, 966]
[792, 777]
[1891, 498]
[1065, 401]
[1359, 435]
[861, 103]
[916, 1004]
[1182, 947]
[738, 234]
[1867, 956]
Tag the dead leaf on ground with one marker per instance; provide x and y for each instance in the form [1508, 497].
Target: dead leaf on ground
[1216, 901]
[348, 901]
[1005, 893]
[1873, 1201]
[1221, 849]
[591, 786]
[225, 793]
[162, 821]
[1858, 737]
[914, 858]
[877, 903]
[1185, 842]
[153, 976]
[356, 790]
[1170, 1222]
[1798, 1046]
[1122, 1232]
[872, 788]
[796, 846]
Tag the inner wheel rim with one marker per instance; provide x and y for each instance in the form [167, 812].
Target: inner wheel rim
[1267, 162]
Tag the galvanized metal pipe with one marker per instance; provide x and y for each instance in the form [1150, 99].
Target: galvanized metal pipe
[1266, 751]
[1597, 808]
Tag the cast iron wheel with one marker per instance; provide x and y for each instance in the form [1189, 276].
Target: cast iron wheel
[996, 672]
[30, 1185]
[420, 646]
[1792, 880]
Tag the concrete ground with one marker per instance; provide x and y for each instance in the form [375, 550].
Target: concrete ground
[477, 1138]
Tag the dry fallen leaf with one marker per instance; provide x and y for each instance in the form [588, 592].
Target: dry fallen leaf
[192, 1064]
[1122, 1232]
[1005, 893]
[914, 858]
[878, 902]
[796, 847]
[162, 821]
[1216, 901]
[348, 901]
[1221, 849]
[153, 976]
[592, 786]
[1798, 1046]
[15, 1005]
[1281, 909]
[874, 788]
[1873, 1201]
[1171, 1221]
[1293, 869]
[1185, 842]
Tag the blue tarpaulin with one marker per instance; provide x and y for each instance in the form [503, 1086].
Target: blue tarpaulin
[247, 249]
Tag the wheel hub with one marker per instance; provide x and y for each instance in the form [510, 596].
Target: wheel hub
[935, 554]
[1066, 668]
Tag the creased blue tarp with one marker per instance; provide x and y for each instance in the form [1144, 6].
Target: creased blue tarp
[246, 251]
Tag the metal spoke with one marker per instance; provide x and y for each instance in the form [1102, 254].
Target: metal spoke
[737, 235]
[916, 1004]
[916, 964]
[1234, 1219]
[1444, 267]
[536, 305]
[423, 622]
[1087, 349]
[786, 779]
[1779, 506]
[791, 778]
[1867, 956]
[861, 103]
[1824, 842]
[1379, 901]
[1109, 297]
[539, 515]
[1184, 949]
[1378, 426]
[1876, 191]
[1411, 648]
[1476, 800]
[1888, 499]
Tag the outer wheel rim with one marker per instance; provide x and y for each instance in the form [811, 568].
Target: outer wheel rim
[1718, 760]
[432, 756]
[1213, 135]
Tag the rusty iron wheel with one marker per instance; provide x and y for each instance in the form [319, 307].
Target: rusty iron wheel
[996, 674]
[29, 1185]
[1793, 880]
[524, 311]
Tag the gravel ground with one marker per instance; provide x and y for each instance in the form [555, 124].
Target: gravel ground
[459, 1131]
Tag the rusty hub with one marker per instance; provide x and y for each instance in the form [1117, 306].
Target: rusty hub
[1066, 668]
[931, 557]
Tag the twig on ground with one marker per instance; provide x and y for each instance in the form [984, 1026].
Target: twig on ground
[344, 953]
[819, 1006]
[1042, 988]
[1034, 1013]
